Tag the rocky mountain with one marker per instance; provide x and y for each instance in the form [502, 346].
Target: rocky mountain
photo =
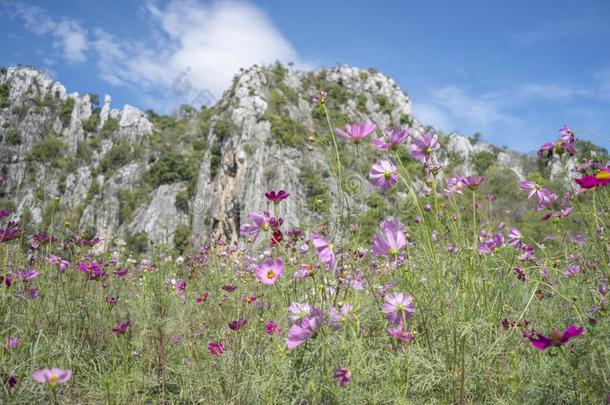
[70, 163]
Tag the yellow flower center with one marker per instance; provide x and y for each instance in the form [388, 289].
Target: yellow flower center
[387, 175]
[310, 266]
[393, 252]
[270, 274]
[602, 175]
[53, 379]
[265, 227]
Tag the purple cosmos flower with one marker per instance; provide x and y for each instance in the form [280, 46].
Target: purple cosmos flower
[216, 348]
[11, 342]
[319, 98]
[355, 132]
[473, 182]
[556, 338]
[298, 311]
[423, 147]
[92, 268]
[571, 271]
[392, 139]
[276, 197]
[238, 324]
[11, 232]
[273, 329]
[515, 238]
[120, 273]
[338, 315]
[545, 197]
[58, 261]
[268, 272]
[343, 376]
[392, 241]
[325, 250]
[383, 174]
[202, 298]
[488, 246]
[52, 377]
[305, 271]
[112, 301]
[398, 307]
[558, 214]
[229, 287]
[120, 328]
[26, 275]
[299, 333]
[4, 213]
[521, 276]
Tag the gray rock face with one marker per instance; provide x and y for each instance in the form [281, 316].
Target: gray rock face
[240, 163]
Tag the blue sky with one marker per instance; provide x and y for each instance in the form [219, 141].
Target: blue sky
[513, 71]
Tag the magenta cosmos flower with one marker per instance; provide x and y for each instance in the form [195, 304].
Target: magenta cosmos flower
[259, 222]
[545, 197]
[216, 348]
[342, 376]
[398, 307]
[392, 139]
[423, 147]
[356, 132]
[52, 377]
[120, 328]
[298, 334]
[383, 174]
[276, 197]
[325, 250]
[392, 241]
[556, 338]
[268, 272]
[601, 178]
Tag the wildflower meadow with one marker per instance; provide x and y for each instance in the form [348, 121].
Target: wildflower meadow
[444, 301]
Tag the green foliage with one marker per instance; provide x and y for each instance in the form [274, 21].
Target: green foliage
[13, 137]
[65, 111]
[587, 150]
[137, 243]
[361, 103]
[318, 192]
[182, 238]
[49, 216]
[49, 150]
[170, 168]
[118, 156]
[5, 90]
[182, 200]
[406, 120]
[7, 205]
[286, 131]
[129, 201]
[91, 124]
[279, 72]
[386, 106]
[482, 161]
[109, 128]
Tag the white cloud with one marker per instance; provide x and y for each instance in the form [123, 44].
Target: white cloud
[555, 92]
[68, 35]
[198, 48]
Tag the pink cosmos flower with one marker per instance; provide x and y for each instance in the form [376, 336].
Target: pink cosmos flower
[601, 178]
[298, 311]
[423, 147]
[259, 222]
[473, 182]
[305, 271]
[11, 342]
[398, 307]
[52, 376]
[392, 139]
[545, 197]
[488, 246]
[556, 338]
[202, 298]
[355, 132]
[276, 197]
[383, 174]
[325, 250]
[338, 315]
[399, 333]
[299, 333]
[392, 241]
[515, 238]
[216, 348]
[268, 272]
[343, 376]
